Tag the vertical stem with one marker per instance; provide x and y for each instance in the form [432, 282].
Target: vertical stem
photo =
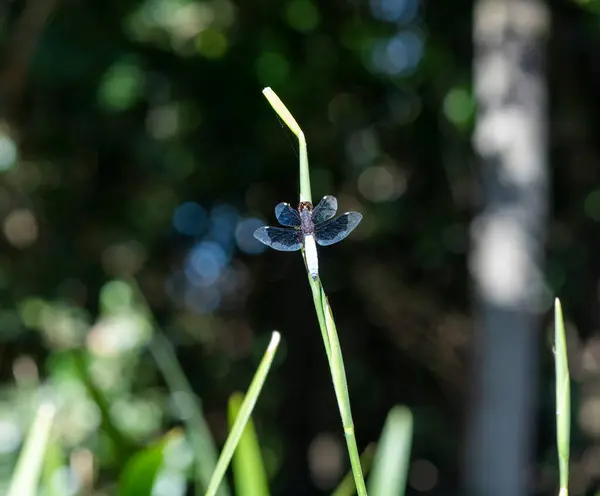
[340, 384]
[324, 314]
[286, 116]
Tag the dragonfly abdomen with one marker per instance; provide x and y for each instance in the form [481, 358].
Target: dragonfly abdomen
[312, 259]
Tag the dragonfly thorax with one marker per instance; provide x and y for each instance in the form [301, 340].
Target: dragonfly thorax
[306, 223]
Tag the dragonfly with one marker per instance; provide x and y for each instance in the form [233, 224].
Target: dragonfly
[309, 227]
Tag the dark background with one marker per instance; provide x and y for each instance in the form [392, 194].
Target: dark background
[135, 141]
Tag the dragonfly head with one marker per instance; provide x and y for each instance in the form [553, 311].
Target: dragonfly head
[305, 206]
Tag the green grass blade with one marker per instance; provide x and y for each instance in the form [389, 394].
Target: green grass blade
[347, 487]
[390, 467]
[244, 415]
[29, 465]
[563, 398]
[249, 472]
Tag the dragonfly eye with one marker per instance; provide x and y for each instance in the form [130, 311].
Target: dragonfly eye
[305, 205]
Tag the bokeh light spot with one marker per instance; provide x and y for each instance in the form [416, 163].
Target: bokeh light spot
[31, 311]
[423, 475]
[458, 106]
[162, 121]
[212, 43]
[8, 152]
[272, 68]
[224, 219]
[244, 235]
[302, 15]
[169, 484]
[10, 436]
[204, 263]
[121, 86]
[123, 259]
[589, 416]
[325, 460]
[116, 296]
[362, 147]
[403, 11]
[381, 183]
[190, 219]
[202, 300]
[398, 55]
[21, 228]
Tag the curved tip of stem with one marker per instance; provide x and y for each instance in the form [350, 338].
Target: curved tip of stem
[275, 338]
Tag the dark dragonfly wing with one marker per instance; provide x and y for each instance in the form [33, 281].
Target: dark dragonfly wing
[286, 215]
[335, 230]
[279, 238]
[325, 210]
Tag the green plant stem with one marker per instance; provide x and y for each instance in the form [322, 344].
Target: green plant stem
[244, 415]
[340, 384]
[563, 398]
[286, 116]
[324, 313]
[347, 487]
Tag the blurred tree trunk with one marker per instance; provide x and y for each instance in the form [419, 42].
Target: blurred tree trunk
[508, 236]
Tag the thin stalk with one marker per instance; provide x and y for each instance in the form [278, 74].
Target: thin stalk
[347, 487]
[563, 398]
[340, 384]
[286, 116]
[244, 415]
[324, 313]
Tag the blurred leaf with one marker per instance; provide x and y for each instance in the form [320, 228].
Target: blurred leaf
[390, 467]
[139, 474]
[125, 446]
[244, 415]
[203, 444]
[28, 469]
[249, 472]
